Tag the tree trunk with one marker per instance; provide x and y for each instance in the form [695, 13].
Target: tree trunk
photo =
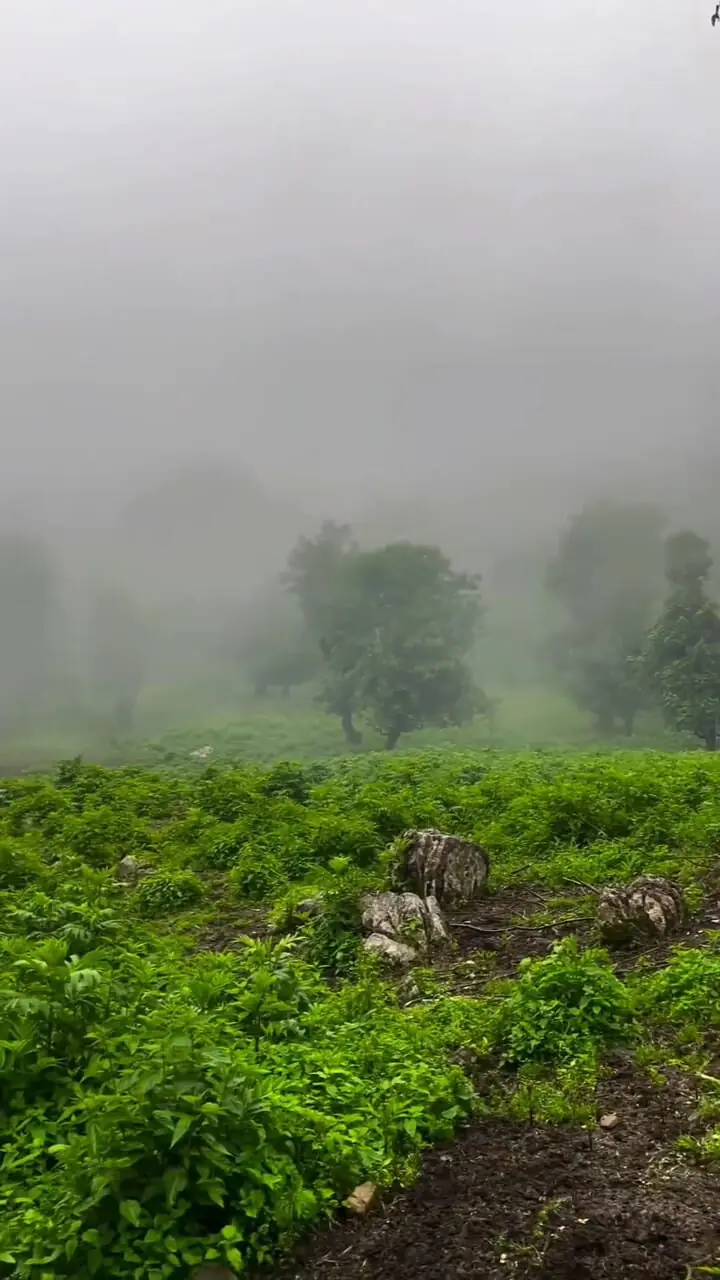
[351, 734]
[711, 737]
[392, 737]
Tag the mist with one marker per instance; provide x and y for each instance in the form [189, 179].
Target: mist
[442, 270]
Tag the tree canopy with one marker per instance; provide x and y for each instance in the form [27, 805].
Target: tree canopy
[397, 634]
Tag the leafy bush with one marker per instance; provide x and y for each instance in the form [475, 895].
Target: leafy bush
[20, 865]
[685, 992]
[565, 1005]
[168, 891]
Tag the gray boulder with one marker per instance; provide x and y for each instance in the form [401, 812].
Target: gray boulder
[445, 867]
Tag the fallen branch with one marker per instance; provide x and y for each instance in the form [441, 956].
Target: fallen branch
[525, 928]
[582, 884]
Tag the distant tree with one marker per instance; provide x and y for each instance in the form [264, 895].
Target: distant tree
[314, 574]
[117, 655]
[313, 570]
[607, 575]
[396, 636]
[681, 660]
[275, 648]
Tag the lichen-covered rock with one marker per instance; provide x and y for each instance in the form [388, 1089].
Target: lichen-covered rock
[444, 867]
[389, 950]
[128, 870]
[405, 918]
[203, 753]
[649, 906]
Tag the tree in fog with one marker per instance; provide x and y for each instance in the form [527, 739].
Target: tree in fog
[275, 648]
[29, 614]
[396, 637]
[117, 655]
[314, 576]
[681, 660]
[606, 575]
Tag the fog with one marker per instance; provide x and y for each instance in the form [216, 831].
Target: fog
[442, 268]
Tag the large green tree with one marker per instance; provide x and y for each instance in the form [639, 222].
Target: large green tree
[396, 637]
[681, 660]
[606, 575]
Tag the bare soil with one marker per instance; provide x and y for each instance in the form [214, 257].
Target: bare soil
[542, 1202]
[510, 1200]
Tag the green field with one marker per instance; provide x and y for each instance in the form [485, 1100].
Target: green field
[178, 1083]
[172, 723]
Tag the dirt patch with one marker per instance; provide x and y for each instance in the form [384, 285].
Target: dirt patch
[502, 927]
[509, 1200]
[503, 924]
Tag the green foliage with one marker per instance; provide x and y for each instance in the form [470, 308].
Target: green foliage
[396, 638]
[681, 661]
[564, 1006]
[161, 1104]
[565, 1093]
[169, 891]
[684, 994]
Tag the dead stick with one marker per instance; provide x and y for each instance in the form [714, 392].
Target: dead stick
[526, 928]
[582, 884]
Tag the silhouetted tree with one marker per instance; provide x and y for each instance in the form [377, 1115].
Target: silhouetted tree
[606, 574]
[681, 660]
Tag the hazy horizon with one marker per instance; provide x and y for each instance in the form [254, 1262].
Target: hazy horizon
[348, 247]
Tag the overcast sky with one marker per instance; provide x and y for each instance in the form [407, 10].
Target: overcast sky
[396, 240]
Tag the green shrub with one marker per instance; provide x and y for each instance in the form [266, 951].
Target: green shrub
[685, 992]
[565, 1005]
[168, 891]
[20, 864]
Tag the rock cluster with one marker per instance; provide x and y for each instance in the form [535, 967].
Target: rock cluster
[400, 927]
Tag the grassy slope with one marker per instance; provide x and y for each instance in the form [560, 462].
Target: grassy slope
[163, 1100]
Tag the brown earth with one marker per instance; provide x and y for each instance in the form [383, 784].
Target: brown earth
[510, 1200]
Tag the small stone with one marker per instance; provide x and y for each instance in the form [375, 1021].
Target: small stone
[363, 1199]
[609, 1121]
